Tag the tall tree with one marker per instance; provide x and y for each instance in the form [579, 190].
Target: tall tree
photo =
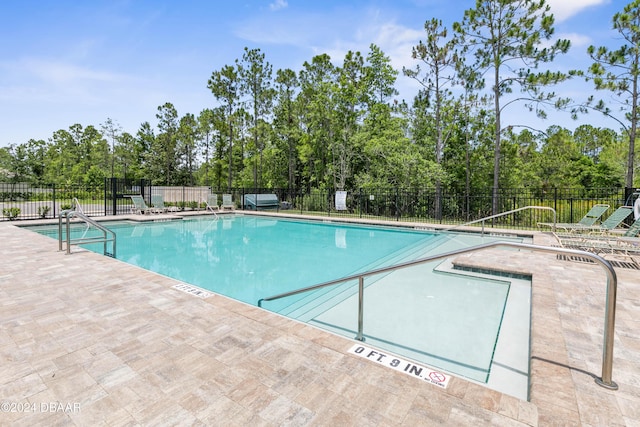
[379, 121]
[224, 84]
[36, 159]
[380, 77]
[255, 81]
[145, 139]
[618, 71]
[207, 130]
[507, 37]
[6, 157]
[439, 56]
[349, 96]
[187, 148]
[165, 143]
[111, 130]
[318, 87]
[128, 154]
[286, 121]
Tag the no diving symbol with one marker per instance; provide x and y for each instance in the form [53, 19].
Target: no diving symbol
[437, 377]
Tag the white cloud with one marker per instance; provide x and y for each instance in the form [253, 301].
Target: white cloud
[354, 30]
[278, 4]
[577, 40]
[57, 83]
[60, 72]
[565, 9]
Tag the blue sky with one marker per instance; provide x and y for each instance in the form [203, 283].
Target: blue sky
[67, 61]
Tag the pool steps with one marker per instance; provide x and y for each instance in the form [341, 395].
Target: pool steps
[323, 299]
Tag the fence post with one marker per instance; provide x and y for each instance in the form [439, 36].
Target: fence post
[571, 209]
[397, 205]
[53, 186]
[114, 189]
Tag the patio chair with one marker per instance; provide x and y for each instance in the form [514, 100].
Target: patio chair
[212, 203]
[140, 207]
[594, 214]
[610, 224]
[227, 202]
[626, 245]
[157, 201]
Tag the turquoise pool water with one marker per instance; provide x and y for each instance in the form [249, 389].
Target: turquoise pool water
[447, 320]
[248, 258]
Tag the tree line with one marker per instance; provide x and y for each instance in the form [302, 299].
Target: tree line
[331, 126]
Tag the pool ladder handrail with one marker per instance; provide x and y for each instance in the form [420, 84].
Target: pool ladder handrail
[504, 214]
[107, 235]
[610, 310]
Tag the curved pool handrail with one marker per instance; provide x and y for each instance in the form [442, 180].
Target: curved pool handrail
[610, 310]
[72, 213]
[482, 220]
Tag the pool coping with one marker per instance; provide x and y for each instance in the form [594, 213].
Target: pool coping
[566, 346]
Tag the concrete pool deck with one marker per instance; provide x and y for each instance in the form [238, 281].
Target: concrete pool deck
[89, 340]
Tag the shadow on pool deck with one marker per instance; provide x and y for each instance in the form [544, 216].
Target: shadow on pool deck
[89, 340]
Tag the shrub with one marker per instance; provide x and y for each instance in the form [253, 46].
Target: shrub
[11, 213]
[43, 211]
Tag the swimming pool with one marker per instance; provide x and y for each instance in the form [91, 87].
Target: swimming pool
[443, 318]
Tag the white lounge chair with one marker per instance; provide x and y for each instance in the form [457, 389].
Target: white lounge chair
[212, 203]
[140, 207]
[158, 203]
[227, 202]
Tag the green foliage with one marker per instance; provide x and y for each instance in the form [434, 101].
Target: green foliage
[316, 201]
[163, 163]
[503, 35]
[43, 211]
[94, 178]
[618, 71]
[11, 213]
[225, 86]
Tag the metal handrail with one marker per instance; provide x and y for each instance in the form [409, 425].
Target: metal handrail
[504, 214]
[610, 310]
[71, 213]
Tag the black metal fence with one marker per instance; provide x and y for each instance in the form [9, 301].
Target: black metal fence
[21, 201]
[426, 205]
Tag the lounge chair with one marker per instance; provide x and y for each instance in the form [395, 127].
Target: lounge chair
[211, 203]
[227, 202]
[627, 244]
[157, 201]
[608, 225]
[140, 207]
[589, 220]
